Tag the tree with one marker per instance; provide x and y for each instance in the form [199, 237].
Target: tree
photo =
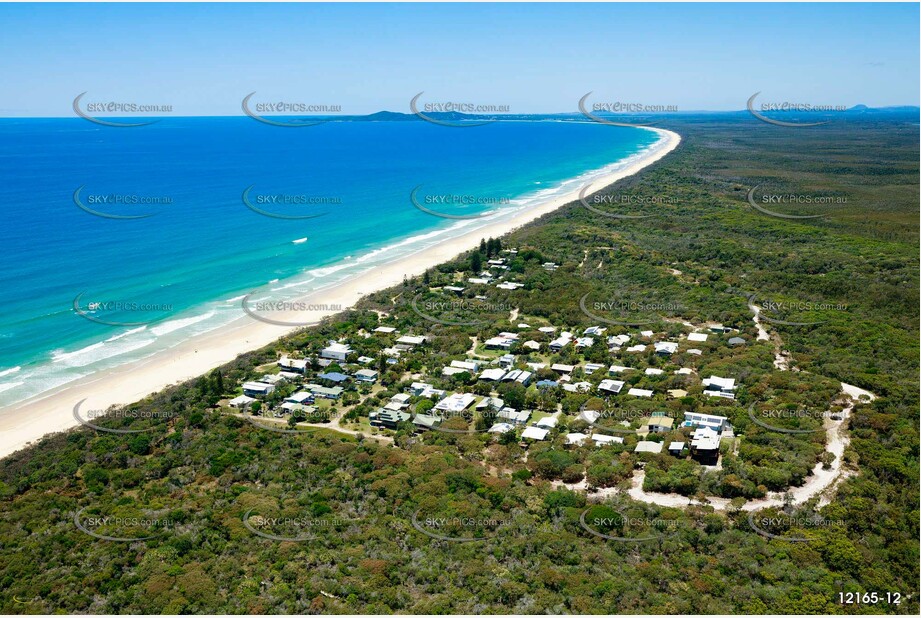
[218, 382]
[476, 262]
[513, 394]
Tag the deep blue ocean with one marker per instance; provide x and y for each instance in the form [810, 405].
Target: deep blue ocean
[183, 269]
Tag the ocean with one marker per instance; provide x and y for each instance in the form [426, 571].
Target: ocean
[120, 243]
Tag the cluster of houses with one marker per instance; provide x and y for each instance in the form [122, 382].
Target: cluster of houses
[616, 344]
[493, 274]
[328, 385]
[709, 431]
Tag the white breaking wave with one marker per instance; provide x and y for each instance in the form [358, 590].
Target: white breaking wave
[10, 371]
[97, 352]
[6, 387]
[126, 333]
[174, 325]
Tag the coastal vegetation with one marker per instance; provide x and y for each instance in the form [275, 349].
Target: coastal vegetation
[397, 521]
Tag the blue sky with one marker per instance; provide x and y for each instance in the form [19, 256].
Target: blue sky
[202, 59]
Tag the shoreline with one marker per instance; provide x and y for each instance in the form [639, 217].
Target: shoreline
[29, 420]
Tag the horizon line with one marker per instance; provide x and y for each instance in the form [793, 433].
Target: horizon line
[495, 115]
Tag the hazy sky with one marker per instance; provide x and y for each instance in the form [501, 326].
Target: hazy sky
[203, 59]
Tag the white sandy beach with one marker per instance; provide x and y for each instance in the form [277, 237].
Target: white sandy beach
[28, 421]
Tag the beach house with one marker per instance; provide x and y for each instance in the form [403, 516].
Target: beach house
[241, 402]
[645, 446]
[366, 375]
[336, 351]
[711, 421]
[665, 348]
[518, 375]
[257, 389]
[639, 392]
[601, 440]
[514, 417]
[720, 387]
[301, 397]
[705, 446]
[534, 433]
[297, 365]
[388, 419]
[324, 392]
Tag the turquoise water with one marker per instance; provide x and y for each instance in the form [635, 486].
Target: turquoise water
[183, 268]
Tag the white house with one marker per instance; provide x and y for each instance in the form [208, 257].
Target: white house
[639, 392]
[518, 375]
[411, 340]
[665, 347]
[705, 446]
[455, 403]
[601, 439]
[293, 364]
[336, 351]
[611, 386]
[471, 366]
[499, 343]
[697, 337]
[646, 446]
[301, 397]
[710, 421]
[534, 433]
[575, 439]
[366, 375]
[417, 388]
[258, 389]
[241, 402]
[516, 417]
[591, 368]
[578, 387]
[501, 428]
[720, 387]
[492, 375]
[495, 403]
